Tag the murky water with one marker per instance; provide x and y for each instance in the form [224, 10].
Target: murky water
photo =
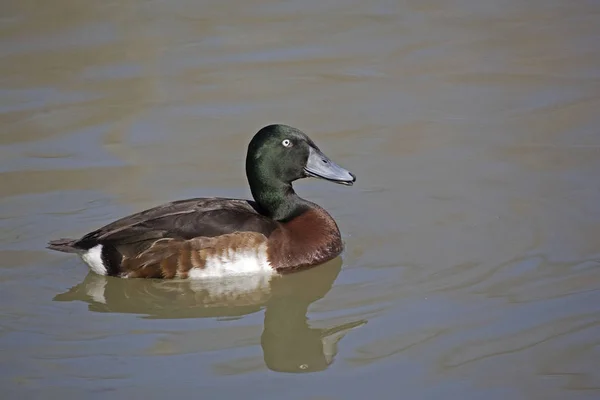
[472, 262]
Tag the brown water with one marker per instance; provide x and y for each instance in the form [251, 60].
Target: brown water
[472, 262]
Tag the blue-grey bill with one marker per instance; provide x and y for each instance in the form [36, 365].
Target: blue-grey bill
[319, 165]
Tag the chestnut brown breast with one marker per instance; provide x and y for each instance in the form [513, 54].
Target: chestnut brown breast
[309, 239]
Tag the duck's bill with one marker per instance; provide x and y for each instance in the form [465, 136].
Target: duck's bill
[320, 166]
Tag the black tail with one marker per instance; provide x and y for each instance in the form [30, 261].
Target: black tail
[64, 245]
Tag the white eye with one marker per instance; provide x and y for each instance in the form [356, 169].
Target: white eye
[287, 143]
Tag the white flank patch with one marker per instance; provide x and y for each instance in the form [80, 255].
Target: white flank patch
[230, 262]
[93, 258]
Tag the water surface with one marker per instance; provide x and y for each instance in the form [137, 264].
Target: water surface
[471, 268]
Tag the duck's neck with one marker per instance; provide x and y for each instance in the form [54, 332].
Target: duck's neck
[279, 200]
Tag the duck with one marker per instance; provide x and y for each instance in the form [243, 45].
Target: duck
[277, 232]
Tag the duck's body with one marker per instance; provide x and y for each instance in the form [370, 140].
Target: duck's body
[200, 238]
[213, 237]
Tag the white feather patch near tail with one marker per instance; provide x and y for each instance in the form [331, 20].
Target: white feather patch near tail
[93, 258]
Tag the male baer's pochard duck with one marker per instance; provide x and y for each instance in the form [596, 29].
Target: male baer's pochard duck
[213, 237]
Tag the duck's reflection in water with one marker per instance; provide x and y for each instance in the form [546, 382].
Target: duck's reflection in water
[288, 341]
